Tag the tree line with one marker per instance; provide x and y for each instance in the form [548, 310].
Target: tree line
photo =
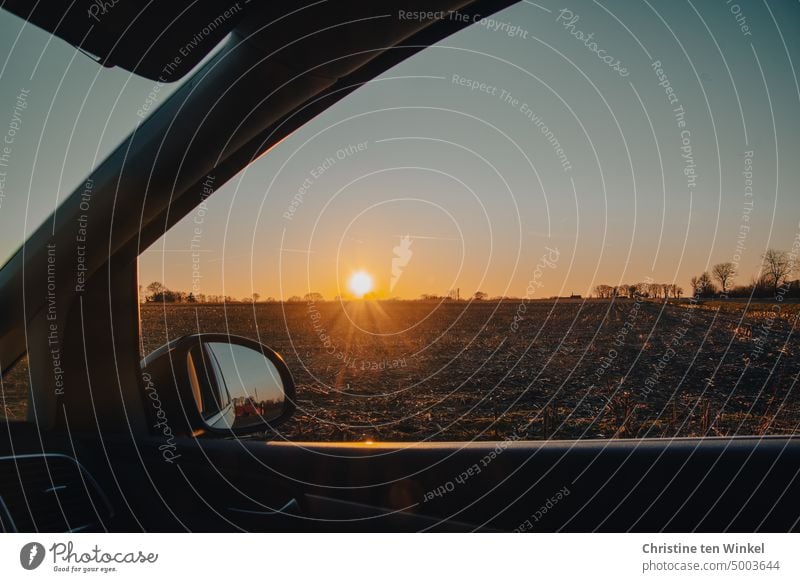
[631, 290]
[158, 292]
[773, 280]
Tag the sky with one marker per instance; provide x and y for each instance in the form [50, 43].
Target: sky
[539, 153]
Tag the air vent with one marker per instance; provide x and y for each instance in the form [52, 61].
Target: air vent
[49, 493]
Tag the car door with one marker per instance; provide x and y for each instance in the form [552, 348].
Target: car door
[522, 413]
[424, 403]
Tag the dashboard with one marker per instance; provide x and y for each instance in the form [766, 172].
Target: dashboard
[44, 488]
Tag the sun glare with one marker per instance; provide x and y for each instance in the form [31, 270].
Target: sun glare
[360, 283]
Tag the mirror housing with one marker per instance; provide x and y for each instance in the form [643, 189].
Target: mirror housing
[221, 384]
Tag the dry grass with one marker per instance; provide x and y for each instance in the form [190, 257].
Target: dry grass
[458, 371]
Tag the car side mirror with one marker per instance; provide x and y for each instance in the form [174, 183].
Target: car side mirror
[222, 384]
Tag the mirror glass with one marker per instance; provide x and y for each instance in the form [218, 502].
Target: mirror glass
[235, 386]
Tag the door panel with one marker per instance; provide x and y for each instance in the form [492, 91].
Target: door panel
[741, 484]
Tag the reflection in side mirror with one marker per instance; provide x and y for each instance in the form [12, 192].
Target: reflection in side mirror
[235, 386]
[219, 383]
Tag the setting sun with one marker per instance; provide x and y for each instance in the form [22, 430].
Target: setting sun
[360, 283]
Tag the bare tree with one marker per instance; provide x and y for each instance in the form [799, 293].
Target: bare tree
[256, 297]
[776, 267]
[706, 285]
[703, 286]
[480, 296]
[156, 288]
[603, 291]
[723, 272]
[665, 289]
